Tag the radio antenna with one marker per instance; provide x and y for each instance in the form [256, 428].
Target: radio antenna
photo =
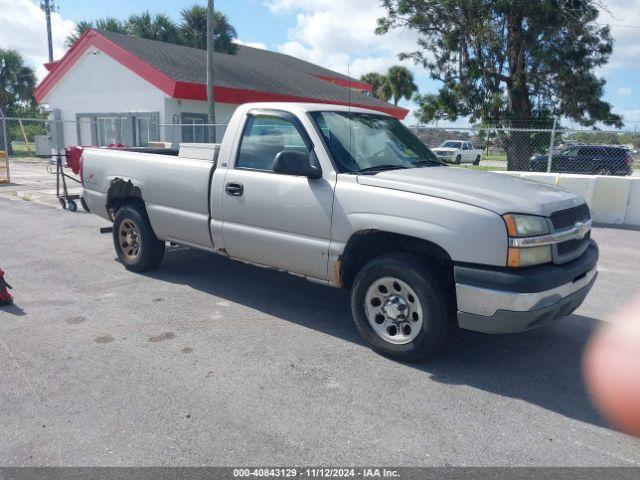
[349, 83]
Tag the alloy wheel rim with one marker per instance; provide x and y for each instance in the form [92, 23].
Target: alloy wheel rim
[393, 310]
[129, 238]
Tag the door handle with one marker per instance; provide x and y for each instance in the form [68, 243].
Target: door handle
[234, 189]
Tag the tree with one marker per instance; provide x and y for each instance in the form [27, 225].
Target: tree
[159, 27]
[376, 81]
[510, 62]
[190, 32]
[398, 84]
[193, 30]
[17, 82]
[108, 24]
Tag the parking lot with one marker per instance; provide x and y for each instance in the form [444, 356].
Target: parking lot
[210, 362]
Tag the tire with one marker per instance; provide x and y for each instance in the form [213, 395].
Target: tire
[85, 207]
[63, 204]
[458, 159]
[476, 162]
[72, 206]
[137, 246]
[603, 171]
[430, 312]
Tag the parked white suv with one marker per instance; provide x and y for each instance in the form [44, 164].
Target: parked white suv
[458, 151]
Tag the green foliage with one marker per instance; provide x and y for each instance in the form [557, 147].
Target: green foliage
[17, 82]
[508, 62]
[502, 60]
[191, 31]
[376, 81]
[397, 83]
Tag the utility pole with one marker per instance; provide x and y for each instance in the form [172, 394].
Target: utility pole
[210, 93]
[47, 6]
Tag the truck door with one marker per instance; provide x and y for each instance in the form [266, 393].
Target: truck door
[276, 220]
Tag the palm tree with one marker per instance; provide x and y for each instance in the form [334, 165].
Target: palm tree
[109, 24]
[376, 81]
[17, 82]
[193, 30]
[399, 84]
[160, 27]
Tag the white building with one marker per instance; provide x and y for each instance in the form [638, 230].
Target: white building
[119, 89]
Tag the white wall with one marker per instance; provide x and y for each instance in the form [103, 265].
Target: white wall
[99, 84]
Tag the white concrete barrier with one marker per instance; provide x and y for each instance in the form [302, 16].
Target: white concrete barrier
[613, 200]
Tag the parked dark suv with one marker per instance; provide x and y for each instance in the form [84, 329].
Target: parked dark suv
[587, 159]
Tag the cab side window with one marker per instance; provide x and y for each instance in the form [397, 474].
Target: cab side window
[263, 138]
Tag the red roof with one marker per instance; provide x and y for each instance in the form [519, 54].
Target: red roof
[251, 76]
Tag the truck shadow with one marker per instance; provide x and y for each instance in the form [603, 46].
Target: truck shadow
[542, 367]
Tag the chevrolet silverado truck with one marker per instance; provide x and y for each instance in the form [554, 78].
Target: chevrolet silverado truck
[456, 151]
[351, 198]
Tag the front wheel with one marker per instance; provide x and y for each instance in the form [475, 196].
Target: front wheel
[400, 307]
[137, 246]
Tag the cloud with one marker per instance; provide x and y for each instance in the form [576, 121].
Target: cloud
[259, 45]
[23, 28]
[624, 18]
[625, 92]
[341, 35]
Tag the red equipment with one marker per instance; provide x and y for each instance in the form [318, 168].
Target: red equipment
[5, 296]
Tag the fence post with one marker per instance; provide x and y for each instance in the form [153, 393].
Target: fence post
[6, 144]
[553, 141]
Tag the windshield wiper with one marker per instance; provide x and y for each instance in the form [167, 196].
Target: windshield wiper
[380, 168]
[426, 162]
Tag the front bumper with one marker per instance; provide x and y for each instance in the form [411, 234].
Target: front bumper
[492, 300]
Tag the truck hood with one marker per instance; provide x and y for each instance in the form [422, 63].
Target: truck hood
[499, 193]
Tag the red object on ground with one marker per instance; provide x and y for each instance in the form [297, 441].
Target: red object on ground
[5, 297]
[74, 161]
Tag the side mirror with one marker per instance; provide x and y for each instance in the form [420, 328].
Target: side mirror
[296, 164]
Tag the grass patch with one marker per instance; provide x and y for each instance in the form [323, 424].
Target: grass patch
[483, 168]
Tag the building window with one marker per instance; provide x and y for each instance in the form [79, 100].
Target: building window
[193, 129]
[109, 131]
[142, 131]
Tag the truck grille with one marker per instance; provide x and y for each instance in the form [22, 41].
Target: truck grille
[569, 250]
[565, 248]
[568, 218]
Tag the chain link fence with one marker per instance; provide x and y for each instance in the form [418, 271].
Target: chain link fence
[561, 150]
[554, 150]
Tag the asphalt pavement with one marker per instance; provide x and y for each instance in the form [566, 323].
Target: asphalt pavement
[211, 362]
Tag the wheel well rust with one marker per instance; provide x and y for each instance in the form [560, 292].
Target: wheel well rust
[121, 193]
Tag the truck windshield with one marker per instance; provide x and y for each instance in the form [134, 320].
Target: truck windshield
[456, 145]
[362, 142]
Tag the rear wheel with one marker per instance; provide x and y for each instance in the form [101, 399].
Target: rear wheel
[400, 307]
[137, 246]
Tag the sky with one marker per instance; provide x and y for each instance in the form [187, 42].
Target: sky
[337, 34]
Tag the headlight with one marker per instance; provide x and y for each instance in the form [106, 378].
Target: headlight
[527, 226]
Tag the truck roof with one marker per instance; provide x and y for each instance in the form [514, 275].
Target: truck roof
[309, 107]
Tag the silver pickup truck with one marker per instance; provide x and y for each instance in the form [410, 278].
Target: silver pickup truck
[351, 198]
